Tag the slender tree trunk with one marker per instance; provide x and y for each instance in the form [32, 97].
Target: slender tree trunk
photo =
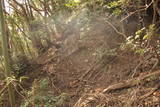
[6, 55]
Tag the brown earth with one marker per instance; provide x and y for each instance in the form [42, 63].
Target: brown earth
[85, 66]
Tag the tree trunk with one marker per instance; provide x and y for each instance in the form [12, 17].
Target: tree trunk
[6, 54]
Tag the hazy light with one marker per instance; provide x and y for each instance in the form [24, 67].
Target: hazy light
[8, 7]
[77, 1]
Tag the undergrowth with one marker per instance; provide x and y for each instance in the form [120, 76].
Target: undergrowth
[41, 96]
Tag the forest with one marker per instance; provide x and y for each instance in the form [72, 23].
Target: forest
[79, 53]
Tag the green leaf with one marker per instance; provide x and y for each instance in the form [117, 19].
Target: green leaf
[137, 36]
[140, 51]
[146, 37]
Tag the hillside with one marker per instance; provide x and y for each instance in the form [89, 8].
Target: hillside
[80, 54]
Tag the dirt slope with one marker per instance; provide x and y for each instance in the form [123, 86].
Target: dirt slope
[87, 64]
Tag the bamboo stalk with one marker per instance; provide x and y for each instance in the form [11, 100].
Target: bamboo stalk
[6, 54]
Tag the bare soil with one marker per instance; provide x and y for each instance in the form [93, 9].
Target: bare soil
[83, 68]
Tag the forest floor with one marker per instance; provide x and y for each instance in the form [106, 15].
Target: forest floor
[91, 70]
[91, 65]
[98, 73]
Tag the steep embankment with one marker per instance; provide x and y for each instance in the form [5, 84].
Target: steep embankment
[91, 60]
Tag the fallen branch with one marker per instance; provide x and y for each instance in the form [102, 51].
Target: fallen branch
[97, 66]
[115, 29]
[149, 93]
[88, 71]
[132, 13]
[133, 82]
[4, 88]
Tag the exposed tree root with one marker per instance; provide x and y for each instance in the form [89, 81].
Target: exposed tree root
[133, 82]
